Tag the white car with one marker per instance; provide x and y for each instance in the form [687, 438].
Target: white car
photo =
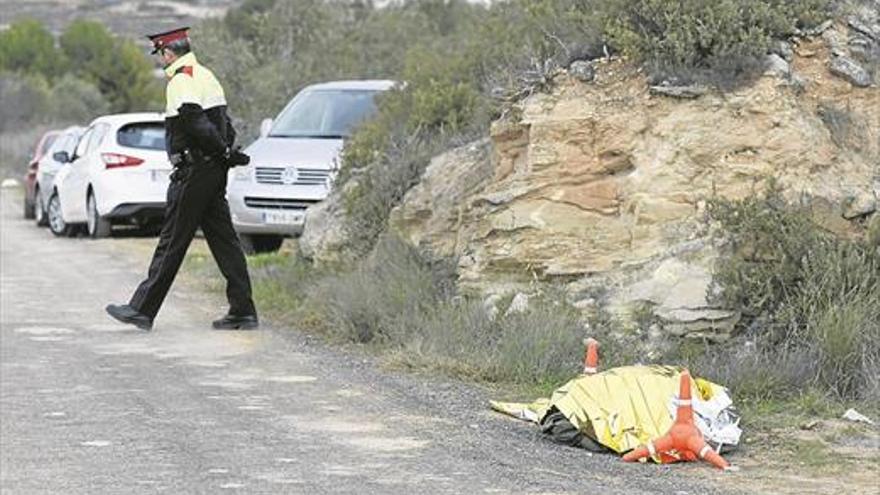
[294, 160]
[118, 174]
[48, 166]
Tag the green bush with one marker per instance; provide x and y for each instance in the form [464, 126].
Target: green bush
[405, 304]
[117, 67]
[28, 47]
[686, 37]
[542, 345]
[803, 292]
[396, 283]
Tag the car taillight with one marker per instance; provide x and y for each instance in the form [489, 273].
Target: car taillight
[115, 160]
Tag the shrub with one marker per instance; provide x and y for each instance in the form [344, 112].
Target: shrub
[381, 186]
[28, 47]
[405, 303]
[116, 66]
[281, 282]
[542, 345]
[804, 292]
[694, 38]
[396, 283]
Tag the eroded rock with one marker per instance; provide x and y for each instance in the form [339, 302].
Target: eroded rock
[850, 70]
[777, 66]
[687, 92]
[582, 71]
[324, 237]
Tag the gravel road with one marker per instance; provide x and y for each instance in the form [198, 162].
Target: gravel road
[91, 406]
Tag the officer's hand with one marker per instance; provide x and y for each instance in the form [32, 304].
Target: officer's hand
[237, 158]
[233, 157]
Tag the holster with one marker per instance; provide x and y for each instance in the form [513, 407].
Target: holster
[187, 158]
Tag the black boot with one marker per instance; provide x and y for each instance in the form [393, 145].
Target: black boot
[127, 314]
[235, 322]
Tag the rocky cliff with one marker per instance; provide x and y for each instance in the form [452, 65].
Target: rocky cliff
[601, 182]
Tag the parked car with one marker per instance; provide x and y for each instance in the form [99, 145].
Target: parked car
[118, 174]
[293, 162]
[30, 175]
[48, 166]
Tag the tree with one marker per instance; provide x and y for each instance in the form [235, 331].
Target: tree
[133, 86]
[28, 47]
[89, 47]
[117, 67]
[74, 100]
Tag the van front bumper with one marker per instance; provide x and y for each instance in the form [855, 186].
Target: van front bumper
[277, 210]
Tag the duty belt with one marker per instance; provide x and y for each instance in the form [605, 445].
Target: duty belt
[185, 158]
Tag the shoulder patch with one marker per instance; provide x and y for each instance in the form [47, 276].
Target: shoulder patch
[186, 69]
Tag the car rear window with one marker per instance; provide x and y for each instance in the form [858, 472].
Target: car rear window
[47, 142]
[144, 135]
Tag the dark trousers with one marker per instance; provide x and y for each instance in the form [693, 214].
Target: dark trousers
[197, 200]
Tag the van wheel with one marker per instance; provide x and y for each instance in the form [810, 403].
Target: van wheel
[255, 243]
[56, 222]
[97, 226]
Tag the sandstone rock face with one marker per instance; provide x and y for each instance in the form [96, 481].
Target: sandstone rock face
[432, 211]
[603, 185]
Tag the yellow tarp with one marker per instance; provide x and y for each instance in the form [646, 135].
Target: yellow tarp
[621, 408]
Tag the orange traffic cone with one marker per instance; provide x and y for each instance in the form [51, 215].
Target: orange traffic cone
[684, 437]
[591, 356]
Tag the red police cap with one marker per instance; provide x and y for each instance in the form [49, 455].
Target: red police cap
[162, 40]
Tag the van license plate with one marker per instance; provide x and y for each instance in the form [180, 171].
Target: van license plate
[282, 217]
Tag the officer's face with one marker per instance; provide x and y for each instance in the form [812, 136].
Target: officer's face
[167, 56]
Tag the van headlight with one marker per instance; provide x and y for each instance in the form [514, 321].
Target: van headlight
[242, 173]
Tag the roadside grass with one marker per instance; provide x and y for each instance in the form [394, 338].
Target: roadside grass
[405, 307]
[200, 268]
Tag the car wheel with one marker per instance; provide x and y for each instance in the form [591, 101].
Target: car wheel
[254, 244]
[56, 222]
[28, 208]
[97, 226]
[40, 214]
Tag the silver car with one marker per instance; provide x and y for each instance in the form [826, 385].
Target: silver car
[49, 166]
[295, 159]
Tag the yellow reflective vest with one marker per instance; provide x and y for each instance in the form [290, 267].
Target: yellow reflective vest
[195, 109]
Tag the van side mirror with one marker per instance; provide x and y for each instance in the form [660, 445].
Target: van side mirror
[265, 127]
[61, 157]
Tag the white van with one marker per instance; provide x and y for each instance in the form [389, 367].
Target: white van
[295, 159]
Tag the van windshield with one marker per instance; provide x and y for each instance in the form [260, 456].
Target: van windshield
[328, 114]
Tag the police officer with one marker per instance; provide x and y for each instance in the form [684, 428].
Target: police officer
[199, 139]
